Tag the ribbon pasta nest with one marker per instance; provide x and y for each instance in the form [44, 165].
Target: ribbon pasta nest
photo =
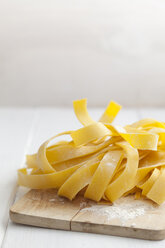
[102, 160]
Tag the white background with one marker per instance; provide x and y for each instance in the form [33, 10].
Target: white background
[55, 51]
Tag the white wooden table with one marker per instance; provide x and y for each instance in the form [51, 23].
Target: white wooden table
[21, 131]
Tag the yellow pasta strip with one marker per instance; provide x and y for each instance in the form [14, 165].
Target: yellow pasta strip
[130, 192]
[137, 195]
[122, 184]
[143, 172]
[72, 162]
[42, 160]
[148, 123]
[102, 161]
[154, 158]
[80, 109]
[89, 133]
[78, 180]
[31, 161]
[157, 192]
[143, 154]
[139, 140]
[161, 133]
[110, 112]
[70, 151]
[45, 181]
[141, 175]
[148, 184]
[103, 175]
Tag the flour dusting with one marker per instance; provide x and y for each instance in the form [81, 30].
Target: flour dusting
[83, 204]
[57, 198]
[123, 209]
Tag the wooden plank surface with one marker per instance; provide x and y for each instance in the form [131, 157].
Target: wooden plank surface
[56, 212]
[48, 123]
[127, 217]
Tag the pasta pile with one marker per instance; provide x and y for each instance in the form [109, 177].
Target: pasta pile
[104, 161]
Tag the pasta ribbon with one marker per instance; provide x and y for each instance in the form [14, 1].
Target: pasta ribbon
[157, 192]
[78, 180]
[89, 133]
[118, 187]
[102, 160]
[103, 175]
[110, 112]
[80, 109]
[149, 183]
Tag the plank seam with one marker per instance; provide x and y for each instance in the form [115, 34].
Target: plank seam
[74, 217]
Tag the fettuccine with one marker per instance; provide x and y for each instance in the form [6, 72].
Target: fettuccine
[107, 161]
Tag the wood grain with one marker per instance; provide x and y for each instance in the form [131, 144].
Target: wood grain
[44, 208]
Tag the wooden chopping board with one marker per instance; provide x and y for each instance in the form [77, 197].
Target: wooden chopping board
[127, 217]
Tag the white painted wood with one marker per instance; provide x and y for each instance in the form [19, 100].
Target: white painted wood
[155, 113]
[15, 129]
[26, 236]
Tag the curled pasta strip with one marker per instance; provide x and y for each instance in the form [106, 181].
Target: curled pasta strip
[104, 160]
